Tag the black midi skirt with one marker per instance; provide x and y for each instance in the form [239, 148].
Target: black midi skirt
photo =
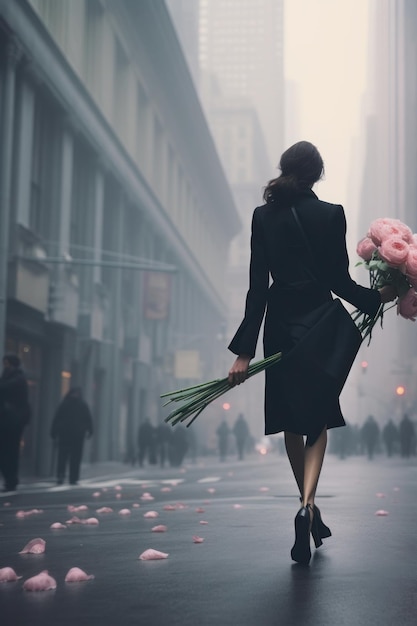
[302, 390]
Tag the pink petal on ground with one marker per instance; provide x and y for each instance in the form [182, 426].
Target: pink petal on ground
[104, 489]
[197, 539]
[381, 513]
[151, 514]
[91, 521]
[104, 509]
[136, 505]
[125, 512]
[180, 505]
[380, 495]
[263, 488]
[170, 507]
[199, 510]
[75, 575]
[147, 498]
[96, 494]
[35, 511]
[146, 494]
[211, 490]
[166, 489]
[77, 509]
[35, 546]
[8, 575]
[159, 529]
[118, 487]
[57, 525]
[74, 520]
[202, 521]
[118, 496]
[41, 582]
[152, 555]
[6, 503]
[237, 506]
[20, 514]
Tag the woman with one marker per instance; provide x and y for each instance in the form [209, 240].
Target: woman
[305, 255]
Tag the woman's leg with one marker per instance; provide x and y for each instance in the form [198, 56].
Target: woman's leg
[294, 444]
[313, 461]
[306, 462]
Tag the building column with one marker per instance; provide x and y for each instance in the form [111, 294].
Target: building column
[24, 144]
[116, 334]
[12, 56]
[65, 190]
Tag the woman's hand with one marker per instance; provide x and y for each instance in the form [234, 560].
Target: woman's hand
[238, 373]
[388, 293]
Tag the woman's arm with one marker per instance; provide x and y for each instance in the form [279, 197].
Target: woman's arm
[245, 340]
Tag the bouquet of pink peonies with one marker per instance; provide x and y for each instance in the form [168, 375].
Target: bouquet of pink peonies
[389, 253]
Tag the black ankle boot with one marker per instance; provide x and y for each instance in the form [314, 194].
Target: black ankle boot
[300, 552]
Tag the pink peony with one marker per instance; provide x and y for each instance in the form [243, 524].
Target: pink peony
[394, 251]
[411, 262]
[385, 227]
[407, 305]
[365, 248]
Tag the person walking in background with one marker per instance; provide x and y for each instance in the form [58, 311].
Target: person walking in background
[146, 442]
[14, 416]
[179, 445]
[71, 423]
[300, 242]
[370, 436]
[390, 436]
[163, 437]
[407, 436]
[241, 432]
[223, 433]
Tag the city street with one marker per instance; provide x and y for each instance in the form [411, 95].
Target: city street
[241, 574]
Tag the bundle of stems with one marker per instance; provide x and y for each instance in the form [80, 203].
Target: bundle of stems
[196, 398]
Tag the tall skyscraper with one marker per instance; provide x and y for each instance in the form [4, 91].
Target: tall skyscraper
[241, 57]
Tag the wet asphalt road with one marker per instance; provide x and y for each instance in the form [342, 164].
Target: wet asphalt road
[242, 574]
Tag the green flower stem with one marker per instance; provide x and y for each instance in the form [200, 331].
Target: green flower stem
[198, 397]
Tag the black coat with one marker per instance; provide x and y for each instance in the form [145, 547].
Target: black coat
[279, 251]
[14, 403]
[72, 420]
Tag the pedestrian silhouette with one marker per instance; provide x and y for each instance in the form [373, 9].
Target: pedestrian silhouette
[71, 423]
[241, 432]
[14, 415]
[370, 435]
[179, 445]
[223, 433]
[146, 443]
[163, 438]
[390, 436]
[407, 436]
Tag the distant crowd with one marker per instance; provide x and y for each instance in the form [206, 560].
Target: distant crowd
[370, 439]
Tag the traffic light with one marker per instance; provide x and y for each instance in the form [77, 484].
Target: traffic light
[364, 366]
[400, 390]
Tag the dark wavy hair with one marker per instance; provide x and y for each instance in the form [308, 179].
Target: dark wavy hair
[301, 166]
